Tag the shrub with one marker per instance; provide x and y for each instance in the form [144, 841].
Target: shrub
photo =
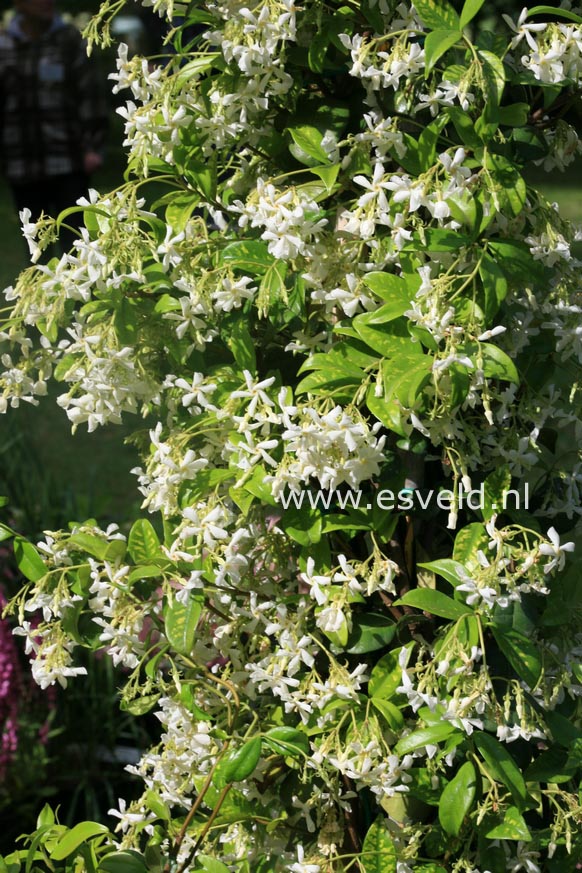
[326, 279]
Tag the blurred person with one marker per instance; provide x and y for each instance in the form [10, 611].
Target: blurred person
[53, 115]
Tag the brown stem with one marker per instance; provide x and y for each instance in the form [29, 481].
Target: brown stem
[207, 826]
[192, 812]
[352, 842]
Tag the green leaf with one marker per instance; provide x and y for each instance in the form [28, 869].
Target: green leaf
[115, 551]
[75, 837]
[250, 256]
[494, 284]
[123, 862]
[494, 74]
[521, 653]
[28, 560]
[46, 817]
[390, 712]
[457, 799]
[428, 736]
[514, 258]
[201, 175]
[288, 741]
[378, 854]
[303, 525]
[89, 544]
[452, 571]
[157, 805]
[513, 827]
[495, 488]
[434, 602]
[436, 44]
[308, 141]
[514, 115]
[508, 183]
[464, 126]
[241, 344]
[496, 363]
[501, 766]
[180, 623]
[143, 544]
[386, 675]
[437, 14]
[238, 765]
[387, 286]
[468, 542]
[328, 175]
[146, 571]
[211, 865]
[140, 705]
[469, 11]
[436, 239]
[552, 10]
[404, 378]
[550, 766]
[317, 51]
[564, 732]
[369, 633]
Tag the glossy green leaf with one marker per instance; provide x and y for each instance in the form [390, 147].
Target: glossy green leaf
[250, 256]
[495, 488]
[386, 675]
[328, 175]
[428, 736]
[554, 11]
[369, 633]
[128, 861]
[241, 343]
[388, 286]
[180, 623]
[470, 10]
[143, 544]
[390, 713]
[239, 764]
[437, 14]
[76, 837]
[457, 799]
[28, 560]
[494, 75]
[521, 652]
[308, 141]
[452, 571]
[501, 766]
[494, 284]
[434, 602]
[512, 827]
[288, 741]
[378, 853]
[89, 544]
[211, 865]
[436, 44]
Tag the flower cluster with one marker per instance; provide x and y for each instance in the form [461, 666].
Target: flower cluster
[326, 270]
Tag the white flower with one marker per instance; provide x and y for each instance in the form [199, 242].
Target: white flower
[29, 232]
[555, 551]
[301, 866]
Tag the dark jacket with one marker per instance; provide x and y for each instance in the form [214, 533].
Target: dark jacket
[52, 107]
